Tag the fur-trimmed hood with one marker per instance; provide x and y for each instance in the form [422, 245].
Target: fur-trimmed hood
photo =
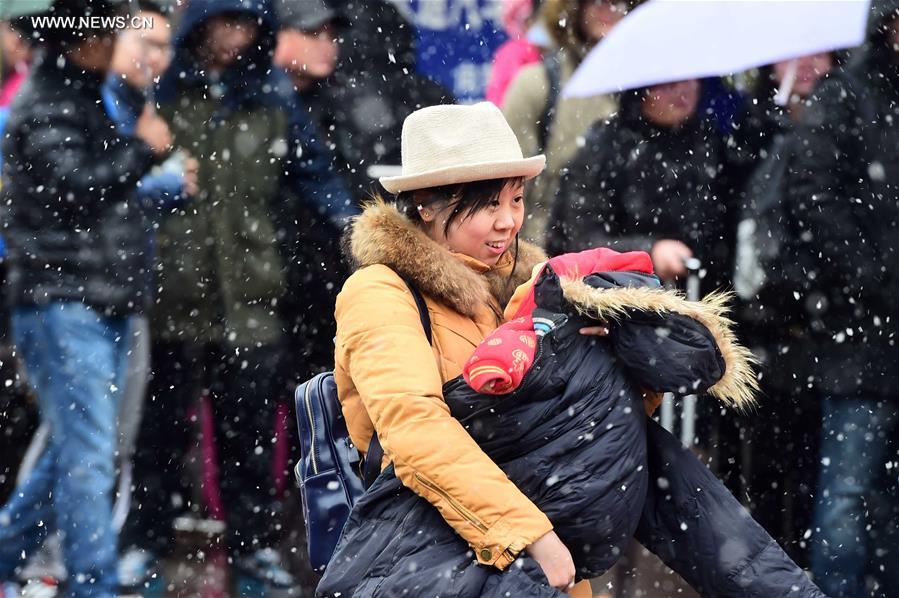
[382, 235]
[737, 387]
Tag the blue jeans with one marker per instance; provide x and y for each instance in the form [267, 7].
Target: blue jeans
[857, 502]
[75, 359]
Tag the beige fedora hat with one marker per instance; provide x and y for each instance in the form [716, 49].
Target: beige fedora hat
[450, 144]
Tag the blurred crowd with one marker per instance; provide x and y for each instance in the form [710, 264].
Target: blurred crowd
[173, 199]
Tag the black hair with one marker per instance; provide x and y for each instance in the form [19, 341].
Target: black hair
[154, 7]
[465, 199]
[58, 40]
[262, 45]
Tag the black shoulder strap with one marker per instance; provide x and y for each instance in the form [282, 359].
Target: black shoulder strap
[422, 308]
[372, 466]
[553, 69]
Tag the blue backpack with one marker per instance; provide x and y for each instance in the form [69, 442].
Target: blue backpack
[328, 473]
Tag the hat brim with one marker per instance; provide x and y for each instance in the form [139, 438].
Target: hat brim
[312, 23]
[468, 173]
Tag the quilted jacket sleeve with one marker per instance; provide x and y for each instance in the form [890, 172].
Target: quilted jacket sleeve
[59, 155]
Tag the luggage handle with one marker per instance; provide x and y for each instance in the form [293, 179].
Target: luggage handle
[688, 409]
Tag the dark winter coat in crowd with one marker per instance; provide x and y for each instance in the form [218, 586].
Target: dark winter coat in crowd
[588, 457]
[767, 272]
[222, 272]
[767, 267]
[73, 227]
[634, 183]
[842, 195]
[309, 238]
[360, 109]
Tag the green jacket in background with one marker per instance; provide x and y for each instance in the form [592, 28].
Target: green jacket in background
[219, 271]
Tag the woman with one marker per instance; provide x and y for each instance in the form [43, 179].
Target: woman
[649, 180]
[453, 235]
[466, 275]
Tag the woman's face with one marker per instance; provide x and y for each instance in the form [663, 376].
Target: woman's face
[671, 104]
[308, 54]
[808, 70]
[484, 235]
[14, 49]
[599, 16]
[227, 37]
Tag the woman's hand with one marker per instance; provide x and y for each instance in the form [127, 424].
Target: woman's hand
[555, 560]
[191, 176]
[154, 131]
[668, 258]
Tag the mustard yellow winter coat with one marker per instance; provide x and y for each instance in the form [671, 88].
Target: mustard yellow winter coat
[389, 378]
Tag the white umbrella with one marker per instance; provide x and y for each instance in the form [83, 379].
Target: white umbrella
[674, 40]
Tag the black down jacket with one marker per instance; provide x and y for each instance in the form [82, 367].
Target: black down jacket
[842, 193]
[634, 183]
[74, 229]
[360, 109]
[573, 437]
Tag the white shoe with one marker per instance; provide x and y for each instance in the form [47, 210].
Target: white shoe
[137, 567]
[40, 588]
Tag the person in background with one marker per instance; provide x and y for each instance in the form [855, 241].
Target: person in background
[220, 322]
[354, 72]
[541, 121]
[767, 272]
[141, 56]
[650, 179]
[647, 180]
[15, 57]
[78, 275]
[842, 194]
[306, 54]
[17, 417]
[307, 51]
[517, 52]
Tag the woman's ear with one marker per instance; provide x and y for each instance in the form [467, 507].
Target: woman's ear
[427, 215]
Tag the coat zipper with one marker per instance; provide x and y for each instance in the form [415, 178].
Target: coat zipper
[465, 513]
[312, 427]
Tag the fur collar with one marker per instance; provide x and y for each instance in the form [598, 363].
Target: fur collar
[382, 235]
[739, 385]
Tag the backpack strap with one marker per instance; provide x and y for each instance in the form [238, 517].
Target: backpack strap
[553, 69]
[371, 469]
[422, 309]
